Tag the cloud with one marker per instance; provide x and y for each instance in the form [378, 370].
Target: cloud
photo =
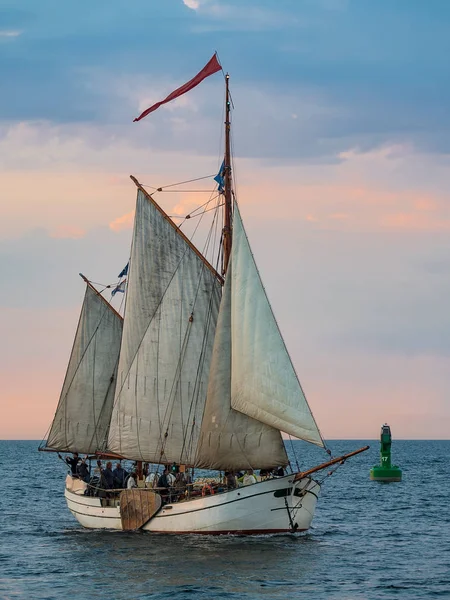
[372, 192]
[46, 200]
[193, 4]
[122, 223]
[367, 92]
[189, 202]
[415, 221]
[10, 34]
[79, 175]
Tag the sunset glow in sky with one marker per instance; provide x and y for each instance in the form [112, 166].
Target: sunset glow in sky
[341, 140]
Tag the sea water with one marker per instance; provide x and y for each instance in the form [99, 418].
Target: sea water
[369, 540]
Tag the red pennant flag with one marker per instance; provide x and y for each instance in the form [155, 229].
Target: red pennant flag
[209, 69]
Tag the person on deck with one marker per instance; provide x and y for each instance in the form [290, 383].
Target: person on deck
[107, 476]
[171, 479]
[180, 483]
[249, 478]
[151, 480]
[83, 471]
[72, 462]
[164, 482]
[229, 480]
[132, 481]
[120, 476]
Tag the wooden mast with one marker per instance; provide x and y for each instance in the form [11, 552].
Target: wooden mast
[227, 226]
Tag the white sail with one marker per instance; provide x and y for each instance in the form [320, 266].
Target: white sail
[264, 383]
[170, 319]
[230, 440]
[84, 410]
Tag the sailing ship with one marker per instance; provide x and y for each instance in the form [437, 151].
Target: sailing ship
[195, 373]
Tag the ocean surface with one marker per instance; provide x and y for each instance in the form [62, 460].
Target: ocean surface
[368, 541]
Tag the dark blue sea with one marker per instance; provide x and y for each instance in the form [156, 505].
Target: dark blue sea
[369, 540]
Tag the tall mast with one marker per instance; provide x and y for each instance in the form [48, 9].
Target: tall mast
[227, 227]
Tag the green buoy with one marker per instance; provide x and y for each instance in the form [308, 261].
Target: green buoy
[385, 471]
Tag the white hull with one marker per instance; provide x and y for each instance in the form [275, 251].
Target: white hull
[253, 509]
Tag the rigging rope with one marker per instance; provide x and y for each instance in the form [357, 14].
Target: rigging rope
[295, 454]
[191, 214]
[183, 191]
[159, 189]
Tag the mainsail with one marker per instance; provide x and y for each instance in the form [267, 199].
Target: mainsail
[170, 320]
[84, 410]
[253, 391]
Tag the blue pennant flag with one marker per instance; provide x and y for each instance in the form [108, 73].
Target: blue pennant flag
[124, 271]
[219, 178]
[119, 288]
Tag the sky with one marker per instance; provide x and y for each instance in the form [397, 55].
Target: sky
[341, 143]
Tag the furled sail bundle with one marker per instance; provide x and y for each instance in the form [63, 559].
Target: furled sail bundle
[170, 320]
[83, 414]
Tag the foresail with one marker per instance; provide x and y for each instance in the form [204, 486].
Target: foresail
[230, 440]
[170, 319]
[84, 410]
[264, 383]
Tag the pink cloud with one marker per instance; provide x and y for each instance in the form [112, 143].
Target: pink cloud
[123, 222]
[347, 207]
[188, 203]
[414, 222]
[425, 204]
[89, 200]
[192, 4]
